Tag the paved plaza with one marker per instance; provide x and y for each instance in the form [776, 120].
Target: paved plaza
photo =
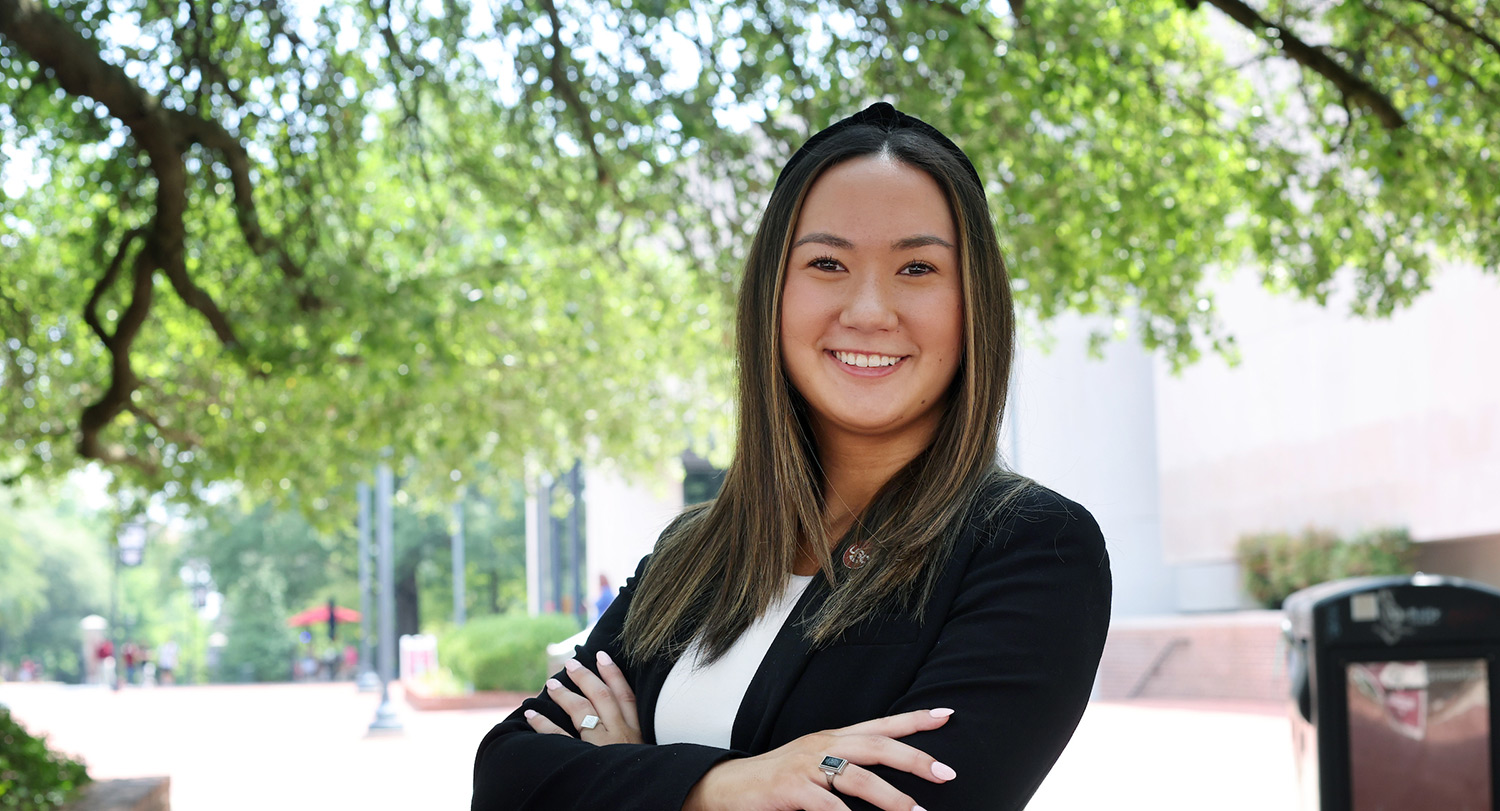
[304, 746]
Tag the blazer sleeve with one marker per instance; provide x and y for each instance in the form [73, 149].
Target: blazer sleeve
[1015, 658]
[519, 769]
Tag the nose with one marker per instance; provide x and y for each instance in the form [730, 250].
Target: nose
[870, 305]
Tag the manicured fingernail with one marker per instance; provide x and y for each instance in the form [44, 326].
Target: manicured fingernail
[604, 658]
[554, 684]
[941, 712]
[572, 665]
[530, 714]
[918, 808]
[943, 771]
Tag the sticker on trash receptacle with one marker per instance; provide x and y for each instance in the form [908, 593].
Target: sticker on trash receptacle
[1364, 608]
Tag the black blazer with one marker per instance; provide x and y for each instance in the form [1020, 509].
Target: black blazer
[1011, 641]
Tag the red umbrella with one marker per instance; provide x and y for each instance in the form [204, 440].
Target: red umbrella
[317, 614]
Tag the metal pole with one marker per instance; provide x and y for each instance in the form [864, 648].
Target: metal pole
[385, 715]
[117, 643]
[546, 551]
[575, 541]
[368, 682]
[458, 562]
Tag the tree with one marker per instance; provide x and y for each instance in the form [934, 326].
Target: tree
[263, 240]
[54, 571]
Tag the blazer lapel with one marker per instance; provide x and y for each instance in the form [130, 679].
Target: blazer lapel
[780, 669]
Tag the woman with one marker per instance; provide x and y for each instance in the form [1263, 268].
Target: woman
[872, 613]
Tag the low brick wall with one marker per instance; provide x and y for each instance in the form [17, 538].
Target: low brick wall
[135, 794]
[1235, 655]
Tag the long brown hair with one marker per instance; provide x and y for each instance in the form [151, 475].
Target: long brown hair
[721, 564]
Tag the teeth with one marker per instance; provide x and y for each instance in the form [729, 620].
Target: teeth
[866, 361]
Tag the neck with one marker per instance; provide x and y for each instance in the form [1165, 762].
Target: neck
[856, 466]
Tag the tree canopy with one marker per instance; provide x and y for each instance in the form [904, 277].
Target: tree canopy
[263, 240]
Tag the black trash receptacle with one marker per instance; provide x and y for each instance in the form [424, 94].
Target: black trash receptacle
[1394, 693]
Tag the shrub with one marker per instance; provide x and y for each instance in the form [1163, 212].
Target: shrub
[1276, 564]
[31, 775]
[1381, 551]
[504, 651]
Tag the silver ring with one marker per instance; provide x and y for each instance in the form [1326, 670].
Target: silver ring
[832, 767]
[589, 722]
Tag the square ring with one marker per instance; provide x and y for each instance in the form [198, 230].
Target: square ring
[833, 765]
[589, 722]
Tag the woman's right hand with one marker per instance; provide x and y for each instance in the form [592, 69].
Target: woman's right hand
[788, 778]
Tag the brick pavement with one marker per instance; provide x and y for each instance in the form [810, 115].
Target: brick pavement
[304, 747]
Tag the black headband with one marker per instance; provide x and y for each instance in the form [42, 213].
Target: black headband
[883, 116]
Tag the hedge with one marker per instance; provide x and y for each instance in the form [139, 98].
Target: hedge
[504, 651]
[1276, 564]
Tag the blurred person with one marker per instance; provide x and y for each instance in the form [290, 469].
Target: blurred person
[132, 656]
[166, 662]
[874, 612]
[606, 596]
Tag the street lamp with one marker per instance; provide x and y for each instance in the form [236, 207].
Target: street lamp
[130, 543]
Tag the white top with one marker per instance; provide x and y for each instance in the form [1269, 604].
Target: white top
[699, 704]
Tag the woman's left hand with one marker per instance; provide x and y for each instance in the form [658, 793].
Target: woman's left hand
[608, 699]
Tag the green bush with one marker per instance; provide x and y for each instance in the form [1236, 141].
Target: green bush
[504, 651]
[31, 775]
[1276, 564]
[259, 646]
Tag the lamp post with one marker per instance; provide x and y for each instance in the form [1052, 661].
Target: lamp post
[385, 716]
[368, 682]
[130, 546]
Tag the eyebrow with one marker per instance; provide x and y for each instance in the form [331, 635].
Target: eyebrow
[906, 243]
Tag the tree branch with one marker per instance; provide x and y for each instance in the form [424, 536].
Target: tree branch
[569, 94]
[165, 431]
[76, 66]
[91, 308]
[1435, 52]
[233, 156]
[1313, 58]
[1453, 19]
[122, 380]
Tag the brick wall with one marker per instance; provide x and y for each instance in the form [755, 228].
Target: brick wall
[1235, 655]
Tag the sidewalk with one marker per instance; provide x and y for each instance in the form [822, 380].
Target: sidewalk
[303, 746]
[1176, 756]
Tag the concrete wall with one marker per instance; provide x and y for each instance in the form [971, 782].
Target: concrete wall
[624, 518]
[1473, 558]
[1336, 422]
[1086, 428]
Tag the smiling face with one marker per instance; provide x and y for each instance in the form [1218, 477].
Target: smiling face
[872, 308]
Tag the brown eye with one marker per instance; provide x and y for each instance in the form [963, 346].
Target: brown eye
[918, 269]
[826, 263]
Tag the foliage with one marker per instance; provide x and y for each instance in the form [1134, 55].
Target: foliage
[240, 545]
[442, 682]
[33, 777]
[1276, 564]
[54, 569]
[244, 548]
[494, 559]
[261, 241]
[259, 646]
[504, 651]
